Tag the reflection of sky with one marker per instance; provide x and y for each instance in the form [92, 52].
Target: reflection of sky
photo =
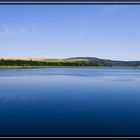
[35, 85]
[31, 101]
[70, 72]
[10, 99]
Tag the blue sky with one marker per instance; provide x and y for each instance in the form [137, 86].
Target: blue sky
[60, 31]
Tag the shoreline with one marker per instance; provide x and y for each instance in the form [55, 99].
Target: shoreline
[30, 67]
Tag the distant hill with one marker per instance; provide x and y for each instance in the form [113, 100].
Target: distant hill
[74, 61]
[106, 62]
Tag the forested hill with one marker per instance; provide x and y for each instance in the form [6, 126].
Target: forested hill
[74, 61]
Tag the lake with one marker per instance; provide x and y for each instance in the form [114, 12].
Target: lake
[70, 102]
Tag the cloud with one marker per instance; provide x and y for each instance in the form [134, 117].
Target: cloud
[36, 32]
[6, 31]
[82, 33]
[23, 31]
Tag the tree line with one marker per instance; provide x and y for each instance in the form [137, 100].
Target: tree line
[45, 63]
[68, 63]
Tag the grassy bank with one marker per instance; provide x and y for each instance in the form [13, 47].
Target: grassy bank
[30, 67]
[16, 67]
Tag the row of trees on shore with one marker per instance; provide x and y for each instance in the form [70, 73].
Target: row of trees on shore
[45, 63]
[74, 62]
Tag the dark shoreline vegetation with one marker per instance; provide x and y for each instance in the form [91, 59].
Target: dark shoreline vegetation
[68, 62]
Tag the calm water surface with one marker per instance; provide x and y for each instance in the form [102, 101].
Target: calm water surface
[70, 102]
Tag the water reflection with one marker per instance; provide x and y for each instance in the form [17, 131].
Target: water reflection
[76, 102]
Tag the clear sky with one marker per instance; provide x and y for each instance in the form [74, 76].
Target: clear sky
[61, 31]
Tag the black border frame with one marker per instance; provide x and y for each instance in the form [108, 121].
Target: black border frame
[69, 2]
